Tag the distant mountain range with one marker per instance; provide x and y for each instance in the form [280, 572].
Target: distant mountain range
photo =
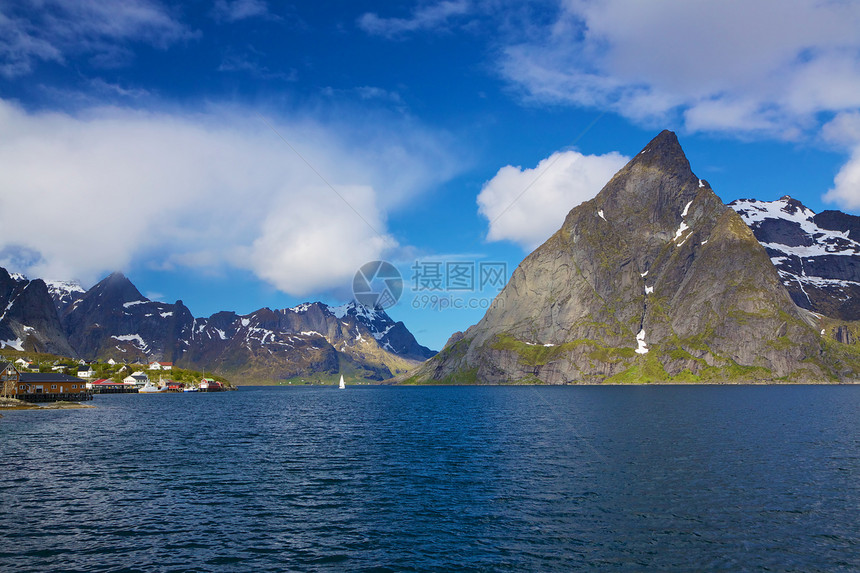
[656, 280]
[113, 320]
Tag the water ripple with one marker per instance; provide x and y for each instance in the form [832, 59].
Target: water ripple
[417, 479]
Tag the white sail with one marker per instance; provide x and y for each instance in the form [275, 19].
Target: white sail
[342, 384]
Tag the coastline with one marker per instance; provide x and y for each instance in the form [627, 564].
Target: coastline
[8, 404]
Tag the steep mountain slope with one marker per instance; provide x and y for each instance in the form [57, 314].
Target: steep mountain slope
[28, 319]
[654, 279]
[817, 255]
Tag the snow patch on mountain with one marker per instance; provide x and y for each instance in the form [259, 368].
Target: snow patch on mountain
[16, 344]
[135, 339]
[818, 262]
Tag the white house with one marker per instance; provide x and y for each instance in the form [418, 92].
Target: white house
[161, 365]
[85, 371]
[112, 362]
[137, 378]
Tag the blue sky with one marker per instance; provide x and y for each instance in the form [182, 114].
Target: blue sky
[237, 154]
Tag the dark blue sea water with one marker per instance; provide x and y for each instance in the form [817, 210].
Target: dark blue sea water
[454, 478]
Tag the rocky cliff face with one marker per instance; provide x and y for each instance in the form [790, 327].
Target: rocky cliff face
[28, 319]
[654, 279]
[817, 255]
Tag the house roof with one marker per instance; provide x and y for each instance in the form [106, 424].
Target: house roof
[30, 377]
[84, 368]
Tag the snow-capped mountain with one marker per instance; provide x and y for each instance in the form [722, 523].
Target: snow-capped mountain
[311, 338]
[65, 293]
[817, 255]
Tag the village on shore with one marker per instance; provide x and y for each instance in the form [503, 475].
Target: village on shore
[47, 378]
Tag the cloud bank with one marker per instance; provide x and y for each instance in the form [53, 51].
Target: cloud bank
[773, 69]
[93, 192]
[527, 206]
[767, 66]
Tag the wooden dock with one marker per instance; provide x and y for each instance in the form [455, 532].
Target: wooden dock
[56, 397]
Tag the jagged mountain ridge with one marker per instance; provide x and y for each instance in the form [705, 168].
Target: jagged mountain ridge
[817, 255]
[655, 279]
[114, 320]
[281, 341]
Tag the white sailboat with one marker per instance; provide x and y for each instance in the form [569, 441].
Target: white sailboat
[342, 385]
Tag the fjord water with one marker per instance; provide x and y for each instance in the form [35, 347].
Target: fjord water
[468, 478]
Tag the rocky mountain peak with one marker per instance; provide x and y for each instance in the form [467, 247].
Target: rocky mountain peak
[654, 279]
[116, 288]
[793, 206]
[665, 152]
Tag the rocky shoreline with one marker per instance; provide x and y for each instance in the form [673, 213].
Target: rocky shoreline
[14, 404]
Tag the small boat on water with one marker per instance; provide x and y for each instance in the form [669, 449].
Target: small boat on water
[149, 388]
[191, 388]
[342, 385]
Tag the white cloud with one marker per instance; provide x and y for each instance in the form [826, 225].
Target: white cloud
[432, 16]
[305, 257]
[46, 30]
[88, 193]
[844, 129]
[527, 206]
[767, 66]
[232, 11]
[846, 184]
